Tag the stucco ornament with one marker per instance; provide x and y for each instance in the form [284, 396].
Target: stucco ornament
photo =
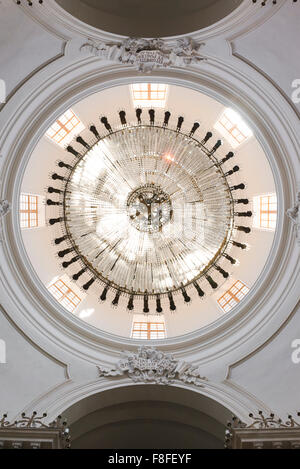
[148, 54]
[294, 215]
[5, 208]
[149, 365]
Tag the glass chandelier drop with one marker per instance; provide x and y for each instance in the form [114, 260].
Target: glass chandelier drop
[146, 210]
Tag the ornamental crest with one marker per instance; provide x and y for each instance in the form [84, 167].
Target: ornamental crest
[149, 54]
[150, 365]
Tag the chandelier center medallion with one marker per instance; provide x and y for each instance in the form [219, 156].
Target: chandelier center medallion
[149, 208]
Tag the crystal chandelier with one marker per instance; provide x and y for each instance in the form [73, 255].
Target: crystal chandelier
[265, 2]
[146, 210]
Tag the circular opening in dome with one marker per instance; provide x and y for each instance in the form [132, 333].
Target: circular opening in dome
[150, 19]
[150, 210]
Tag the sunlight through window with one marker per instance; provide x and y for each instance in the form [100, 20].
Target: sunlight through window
[233, 296]
[149, 95]
[64, 129]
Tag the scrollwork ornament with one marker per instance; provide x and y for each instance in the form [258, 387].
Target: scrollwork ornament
[148, 55]
[150, 365]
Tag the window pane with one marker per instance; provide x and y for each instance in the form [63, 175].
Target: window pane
[149, 95]
[268, 211]
[233, 296]
[63, 127]
[64, 295]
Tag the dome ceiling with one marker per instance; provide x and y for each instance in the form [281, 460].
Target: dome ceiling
[150, 19]
[148, 212]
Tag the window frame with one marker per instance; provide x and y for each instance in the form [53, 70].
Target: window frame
[65, 294]
[148, 330]
[149, 101]
[77, 128]
[228, 133]
[258, 211]
[267, 212]
[233, 296]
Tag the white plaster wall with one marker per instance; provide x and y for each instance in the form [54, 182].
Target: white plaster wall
[28, 371]
[271, 372]
[24, 46]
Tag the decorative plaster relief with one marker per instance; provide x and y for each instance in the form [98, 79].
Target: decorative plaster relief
[148, 54]
[294, 215]
[150, 365]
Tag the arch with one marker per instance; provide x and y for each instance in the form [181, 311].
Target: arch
[110, 414]
[60, 400]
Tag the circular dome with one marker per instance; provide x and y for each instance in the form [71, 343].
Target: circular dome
[148, 209]
[150, 19]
